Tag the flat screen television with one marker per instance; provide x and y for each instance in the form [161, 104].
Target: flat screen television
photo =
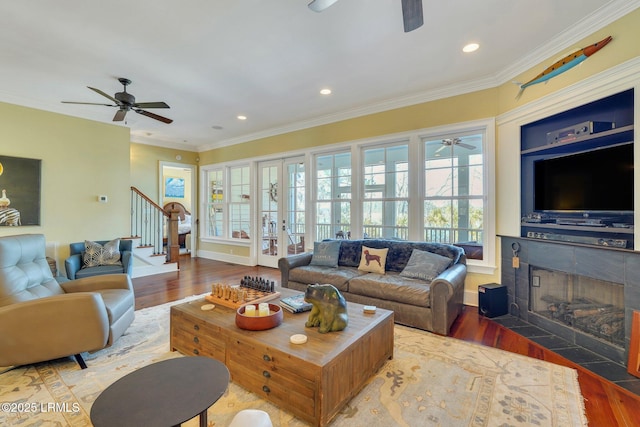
[599, 180]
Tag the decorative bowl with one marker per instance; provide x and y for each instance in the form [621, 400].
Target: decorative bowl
[259, 323]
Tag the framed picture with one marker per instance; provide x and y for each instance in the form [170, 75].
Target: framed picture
[634, 347]
[174, 187]
[20, 186]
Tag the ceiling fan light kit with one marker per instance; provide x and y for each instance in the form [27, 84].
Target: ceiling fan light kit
[320, 5]
[127, 102]
[412, 17]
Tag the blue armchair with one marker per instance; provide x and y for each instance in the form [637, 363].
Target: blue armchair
[76, 268]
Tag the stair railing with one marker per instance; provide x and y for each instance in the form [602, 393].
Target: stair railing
[148, 221]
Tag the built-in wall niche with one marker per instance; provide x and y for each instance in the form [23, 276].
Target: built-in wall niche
[593, 306]
[577, 180]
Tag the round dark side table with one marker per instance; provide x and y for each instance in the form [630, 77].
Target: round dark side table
[165, 393]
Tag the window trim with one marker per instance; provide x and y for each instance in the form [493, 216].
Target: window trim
[415, 140]
[226, 205]
[488, 127]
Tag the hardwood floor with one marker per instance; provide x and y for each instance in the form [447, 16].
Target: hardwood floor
[606, 404]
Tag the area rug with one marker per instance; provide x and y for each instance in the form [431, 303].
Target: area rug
[431, 381]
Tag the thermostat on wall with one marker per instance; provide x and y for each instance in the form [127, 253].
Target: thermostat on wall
[102, 199]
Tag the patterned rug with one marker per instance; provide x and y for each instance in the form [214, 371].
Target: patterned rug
[431, 381]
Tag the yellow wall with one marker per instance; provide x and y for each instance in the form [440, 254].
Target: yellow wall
[145, 161]
[473, 106]
[624, 46]
[81, 159]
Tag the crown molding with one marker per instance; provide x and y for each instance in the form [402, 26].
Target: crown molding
[621, 77]
[604, 16]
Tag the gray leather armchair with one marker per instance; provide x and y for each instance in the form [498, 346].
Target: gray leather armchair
[74, 264]
[41, 319]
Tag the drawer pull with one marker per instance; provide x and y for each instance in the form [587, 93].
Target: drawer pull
[266, 374]
[196, 327]
[195, 351]
[266, 389]
[266, 358]
[196, 340]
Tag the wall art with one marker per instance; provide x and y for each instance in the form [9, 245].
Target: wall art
[174, 187]
[20, 186]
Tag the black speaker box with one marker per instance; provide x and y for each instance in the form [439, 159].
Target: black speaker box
[492, 300]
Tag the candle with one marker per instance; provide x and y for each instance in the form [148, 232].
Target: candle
[263, 309]
[250, 310]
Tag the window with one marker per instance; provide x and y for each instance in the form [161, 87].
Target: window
[333, 195]
[228, 207]
[386, 192]
[215, 225]
[454, 202]
[429, 185]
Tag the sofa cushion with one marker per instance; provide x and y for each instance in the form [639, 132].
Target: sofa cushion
[326, 253]
[373, 260]
[312, 274]
[392, 287]
[101, 269]
[96, 254]
[425, 265]
[399, 251]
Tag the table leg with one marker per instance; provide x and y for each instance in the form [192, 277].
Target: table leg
[203, 418]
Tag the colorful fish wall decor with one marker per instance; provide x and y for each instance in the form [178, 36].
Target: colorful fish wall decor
[566, 63]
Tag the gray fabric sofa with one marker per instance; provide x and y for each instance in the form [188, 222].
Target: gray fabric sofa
[429, 305]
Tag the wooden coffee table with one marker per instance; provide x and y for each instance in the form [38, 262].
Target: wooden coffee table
[312, 381]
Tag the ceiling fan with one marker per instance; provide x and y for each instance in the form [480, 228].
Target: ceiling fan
[411, 12]
[448, 142]
[126, 102]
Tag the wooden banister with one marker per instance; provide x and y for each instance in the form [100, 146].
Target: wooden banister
[147, 222]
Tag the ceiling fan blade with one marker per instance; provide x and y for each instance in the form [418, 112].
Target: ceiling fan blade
[104, 94]
[153, 116]
[119, 115]
[88, 103]
[320, 5]
[441, 148]
[467, 146]
[412, 14]
[151, 105]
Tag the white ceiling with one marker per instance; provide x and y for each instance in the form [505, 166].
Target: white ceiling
[211, 60]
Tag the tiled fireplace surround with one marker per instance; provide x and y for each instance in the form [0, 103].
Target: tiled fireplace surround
[609, 265]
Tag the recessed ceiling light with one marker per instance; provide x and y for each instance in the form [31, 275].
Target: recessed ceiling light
[471, 47]
[325, 91]
[241, 117]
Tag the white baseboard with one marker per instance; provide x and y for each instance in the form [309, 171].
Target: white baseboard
[470, 298]
[149, 270]
[217, 256]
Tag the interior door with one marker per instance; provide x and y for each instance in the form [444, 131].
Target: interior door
[281, 221]
[186, 176]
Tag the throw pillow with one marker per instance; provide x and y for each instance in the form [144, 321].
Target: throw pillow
[373, 260]
[425, 265]
[96, 254]
[326, 254]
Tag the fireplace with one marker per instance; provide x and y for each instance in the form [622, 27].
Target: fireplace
[584, 295]
[590, 306]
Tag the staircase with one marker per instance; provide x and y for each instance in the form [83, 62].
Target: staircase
[151, 227]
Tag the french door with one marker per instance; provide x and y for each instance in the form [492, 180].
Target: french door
[281, 207]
